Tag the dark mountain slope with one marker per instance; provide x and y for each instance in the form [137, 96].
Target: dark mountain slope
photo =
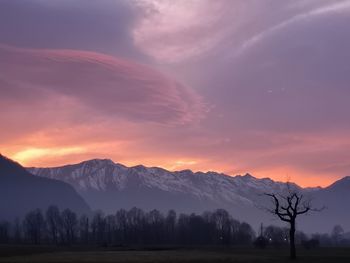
[21, 191]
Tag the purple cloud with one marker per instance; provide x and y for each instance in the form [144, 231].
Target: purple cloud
[105, 85]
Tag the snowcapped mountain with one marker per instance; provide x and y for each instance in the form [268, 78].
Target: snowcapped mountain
[102, 175]
[110, 186]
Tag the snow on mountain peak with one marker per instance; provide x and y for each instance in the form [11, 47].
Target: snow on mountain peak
[105, 175]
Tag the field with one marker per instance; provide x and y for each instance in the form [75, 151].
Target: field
[57, 255]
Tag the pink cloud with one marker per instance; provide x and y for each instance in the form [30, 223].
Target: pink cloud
[104, 85]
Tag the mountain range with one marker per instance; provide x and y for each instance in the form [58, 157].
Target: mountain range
[109, 186]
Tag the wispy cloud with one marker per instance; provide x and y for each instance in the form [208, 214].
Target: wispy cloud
[102, 84]
[342, 6]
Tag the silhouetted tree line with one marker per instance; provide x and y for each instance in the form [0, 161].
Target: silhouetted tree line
[132, 227]
[275, 236]
[136, 227]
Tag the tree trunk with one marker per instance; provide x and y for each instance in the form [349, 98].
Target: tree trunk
[292, 240]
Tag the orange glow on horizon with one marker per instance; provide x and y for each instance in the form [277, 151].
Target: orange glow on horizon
[51, 157]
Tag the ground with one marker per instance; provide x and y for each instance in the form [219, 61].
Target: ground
[244, 255]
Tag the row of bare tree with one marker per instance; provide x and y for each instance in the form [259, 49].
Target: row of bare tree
[152, 228]
[130, 227]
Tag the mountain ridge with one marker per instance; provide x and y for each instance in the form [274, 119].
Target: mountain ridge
[247, 174]
[141, 166]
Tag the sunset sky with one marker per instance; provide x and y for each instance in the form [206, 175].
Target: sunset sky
[235, 86]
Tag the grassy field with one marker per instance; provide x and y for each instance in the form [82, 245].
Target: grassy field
[47, 254]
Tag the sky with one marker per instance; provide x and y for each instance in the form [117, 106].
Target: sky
[234, 86]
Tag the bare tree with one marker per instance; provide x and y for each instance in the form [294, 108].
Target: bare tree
[98, 226]
[4, 232]
[110, 228]
[170, 224]
[288, 207]
[34, 225]
[155, 222]
[54, 221]
[121, 225]
[222, 220]
[84, 229]
[70, 222]
[337, 233]
[17, 231]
